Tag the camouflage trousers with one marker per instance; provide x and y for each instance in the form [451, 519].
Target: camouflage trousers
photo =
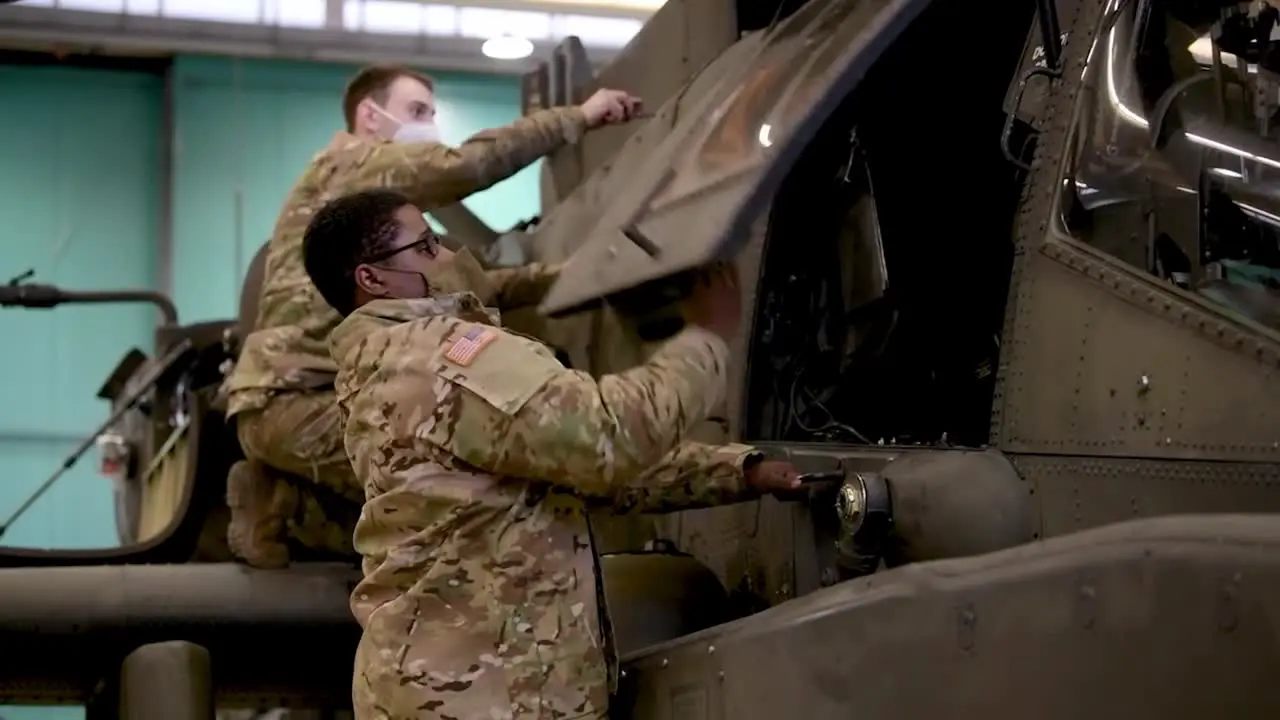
[303, 486]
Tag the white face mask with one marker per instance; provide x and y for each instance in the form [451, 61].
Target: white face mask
[419, 132]
[412, 132]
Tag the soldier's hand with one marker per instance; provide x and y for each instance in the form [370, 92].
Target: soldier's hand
[610, 106]
[773, 476]
[716, 302]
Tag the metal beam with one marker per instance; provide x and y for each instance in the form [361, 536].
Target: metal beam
[63, 629]
[164, 175]
[15, 435]
[562, 7]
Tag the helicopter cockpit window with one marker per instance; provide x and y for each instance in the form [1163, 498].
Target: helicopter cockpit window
[1177, 160]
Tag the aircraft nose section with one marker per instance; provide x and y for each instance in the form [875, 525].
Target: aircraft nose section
[956, 504]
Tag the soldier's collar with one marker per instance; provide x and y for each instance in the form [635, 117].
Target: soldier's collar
[384, 313]
[465, 305]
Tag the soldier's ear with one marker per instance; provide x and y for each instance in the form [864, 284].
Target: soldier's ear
[367, 116]
[370, 281]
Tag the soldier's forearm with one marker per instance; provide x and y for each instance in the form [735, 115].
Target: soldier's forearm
[597, 437]
[502, 152]
[694, 475]
[432, 175]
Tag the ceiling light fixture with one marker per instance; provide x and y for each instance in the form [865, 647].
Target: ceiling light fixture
[507, 47]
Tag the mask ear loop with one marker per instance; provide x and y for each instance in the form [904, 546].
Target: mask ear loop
[426, 286]
[383, 112]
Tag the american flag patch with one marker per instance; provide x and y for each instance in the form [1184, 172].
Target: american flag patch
[466, 348]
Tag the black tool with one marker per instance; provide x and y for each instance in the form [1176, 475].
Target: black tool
[812, 485]
[816, 478]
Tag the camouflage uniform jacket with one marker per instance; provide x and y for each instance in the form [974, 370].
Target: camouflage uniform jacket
[480, 454]
[288, 349]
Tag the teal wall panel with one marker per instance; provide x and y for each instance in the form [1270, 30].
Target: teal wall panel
[79, 187]
[245, 129]
[78, 194]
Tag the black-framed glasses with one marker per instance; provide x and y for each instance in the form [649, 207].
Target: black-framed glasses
[428, 243]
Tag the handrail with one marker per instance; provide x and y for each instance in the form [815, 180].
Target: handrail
[19, 293]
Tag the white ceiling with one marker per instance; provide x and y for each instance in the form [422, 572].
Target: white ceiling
[434, 35]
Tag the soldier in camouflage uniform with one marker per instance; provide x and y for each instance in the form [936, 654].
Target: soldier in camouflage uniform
[480, 455]
[280, 393]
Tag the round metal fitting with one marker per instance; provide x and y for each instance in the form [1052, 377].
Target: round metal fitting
[851, 504]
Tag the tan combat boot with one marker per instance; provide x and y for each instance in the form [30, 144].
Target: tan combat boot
[260, 504]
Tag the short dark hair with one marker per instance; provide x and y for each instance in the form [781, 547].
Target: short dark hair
[374, 82]
[341, 235]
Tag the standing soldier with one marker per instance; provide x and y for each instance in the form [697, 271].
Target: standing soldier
[480, 455]
[280, 393]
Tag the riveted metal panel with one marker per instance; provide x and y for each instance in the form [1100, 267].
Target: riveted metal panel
[1108, 362]
[685, 684]
[1076, 493]
[1079, 22]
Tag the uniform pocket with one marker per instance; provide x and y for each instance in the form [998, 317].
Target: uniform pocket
[553, 663]
[544, 590]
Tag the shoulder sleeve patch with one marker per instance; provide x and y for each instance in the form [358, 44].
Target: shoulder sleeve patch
[502, 369]
[469, 345]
